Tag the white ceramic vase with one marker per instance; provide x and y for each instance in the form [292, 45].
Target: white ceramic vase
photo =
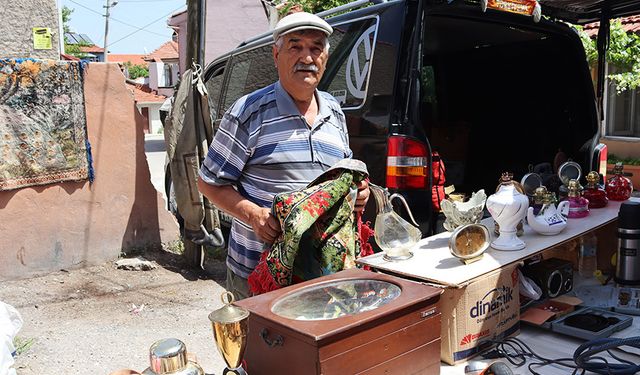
[549, 220]
[508, 207]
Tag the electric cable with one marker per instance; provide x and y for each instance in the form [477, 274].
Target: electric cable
[114, 19]
[127, 24]
[585, 358]
[149, 24]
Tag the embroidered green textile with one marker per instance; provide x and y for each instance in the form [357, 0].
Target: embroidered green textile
[320, 234]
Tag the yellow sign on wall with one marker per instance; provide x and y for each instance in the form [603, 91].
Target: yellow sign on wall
[41, 38]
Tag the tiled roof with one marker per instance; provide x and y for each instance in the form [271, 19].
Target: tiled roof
[91, 49]
[64, 56]
[134, 59]
[629, 24]
[141, 95]
[167, 51]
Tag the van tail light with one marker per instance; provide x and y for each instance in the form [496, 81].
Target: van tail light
[600, 155]
[407, 163]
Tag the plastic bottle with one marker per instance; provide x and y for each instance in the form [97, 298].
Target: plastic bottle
[587, 259]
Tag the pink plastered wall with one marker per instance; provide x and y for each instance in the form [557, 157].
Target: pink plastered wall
[77, 224]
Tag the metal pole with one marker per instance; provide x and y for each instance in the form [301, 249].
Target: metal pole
[602, 46]
[192, 31]
[106, 28]
[194, 254]
[60, 27]
[202, 15]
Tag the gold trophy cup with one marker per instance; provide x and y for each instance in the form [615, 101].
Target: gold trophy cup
[229, 325]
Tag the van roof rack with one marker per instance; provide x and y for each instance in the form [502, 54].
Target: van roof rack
[326, 13]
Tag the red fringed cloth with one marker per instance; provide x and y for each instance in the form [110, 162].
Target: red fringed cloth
[320, 233]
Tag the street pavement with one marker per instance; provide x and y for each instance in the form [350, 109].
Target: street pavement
[155, 150]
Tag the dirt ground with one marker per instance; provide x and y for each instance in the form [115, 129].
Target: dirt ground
[100, 319]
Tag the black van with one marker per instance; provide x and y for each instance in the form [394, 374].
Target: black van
[489, 91]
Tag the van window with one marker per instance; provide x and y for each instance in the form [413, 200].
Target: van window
[214, 86]
[249, 71]
[350, 57]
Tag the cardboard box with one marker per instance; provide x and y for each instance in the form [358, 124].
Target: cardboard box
[485, 309]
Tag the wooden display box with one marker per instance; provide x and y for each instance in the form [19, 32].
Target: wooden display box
[401, 337]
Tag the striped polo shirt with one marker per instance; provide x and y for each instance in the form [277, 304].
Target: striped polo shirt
[264, 146]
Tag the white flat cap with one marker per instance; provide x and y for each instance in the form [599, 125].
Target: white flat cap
[301, 21]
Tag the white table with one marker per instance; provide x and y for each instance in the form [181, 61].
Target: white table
[432, 261]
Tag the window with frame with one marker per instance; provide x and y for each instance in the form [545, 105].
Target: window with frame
[168, 75]
[622, 110]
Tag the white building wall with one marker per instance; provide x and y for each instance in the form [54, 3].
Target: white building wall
[179, 23]
[153, 111]
[156, 71]
[155, 124]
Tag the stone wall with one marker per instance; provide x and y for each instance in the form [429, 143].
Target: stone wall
[76, 224]
[18, 20]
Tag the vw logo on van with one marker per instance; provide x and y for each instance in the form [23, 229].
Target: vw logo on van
[356, 71]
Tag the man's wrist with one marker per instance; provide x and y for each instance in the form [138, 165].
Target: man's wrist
[251, 211]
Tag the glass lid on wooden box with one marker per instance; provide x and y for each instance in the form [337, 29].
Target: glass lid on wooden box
[336, 299]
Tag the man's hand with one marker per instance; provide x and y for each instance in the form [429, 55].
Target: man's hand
[265, 225]
[363, 195]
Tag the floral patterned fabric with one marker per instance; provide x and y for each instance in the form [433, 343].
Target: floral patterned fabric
[320, 233]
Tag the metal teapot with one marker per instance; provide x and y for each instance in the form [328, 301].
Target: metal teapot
[393, 234]
[169, 356]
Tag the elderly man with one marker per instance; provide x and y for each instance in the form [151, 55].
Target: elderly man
[276, 139]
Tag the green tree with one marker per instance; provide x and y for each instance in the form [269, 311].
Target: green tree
[66, 17]
[71, 49]
[623, 54]
[312, 6]
[136, 71]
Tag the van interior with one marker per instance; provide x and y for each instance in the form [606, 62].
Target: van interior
[504, 96]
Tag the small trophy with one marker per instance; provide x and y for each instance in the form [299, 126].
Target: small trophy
[229, 325]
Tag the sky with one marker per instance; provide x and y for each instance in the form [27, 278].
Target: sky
[135, 26]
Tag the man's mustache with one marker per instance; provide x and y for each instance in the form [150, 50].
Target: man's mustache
[305, 67]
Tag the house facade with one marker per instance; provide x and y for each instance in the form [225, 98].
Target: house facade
[148, 101]
[164, 71]
[133, 59]
[148, 105]
[228, 23]
[91, 52]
